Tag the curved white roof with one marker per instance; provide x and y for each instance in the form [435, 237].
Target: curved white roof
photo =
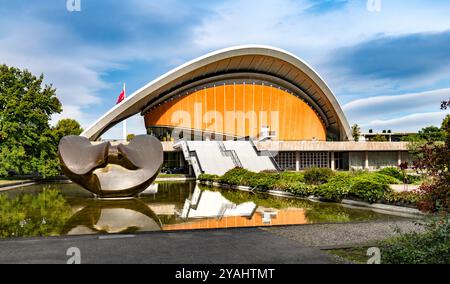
[249, 58]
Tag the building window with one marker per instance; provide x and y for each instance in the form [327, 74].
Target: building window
[286, 160]
[314, 160]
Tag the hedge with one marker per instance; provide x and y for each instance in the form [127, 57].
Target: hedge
[369, 187]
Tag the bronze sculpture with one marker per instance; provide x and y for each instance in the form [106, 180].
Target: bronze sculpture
[111, 171]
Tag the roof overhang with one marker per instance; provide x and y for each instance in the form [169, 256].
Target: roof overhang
[254, 59]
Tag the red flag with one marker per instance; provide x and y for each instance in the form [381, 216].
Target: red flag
[121, 97]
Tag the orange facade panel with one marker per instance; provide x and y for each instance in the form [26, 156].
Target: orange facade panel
[241, 110]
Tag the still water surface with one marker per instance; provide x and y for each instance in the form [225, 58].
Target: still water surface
[67, 209]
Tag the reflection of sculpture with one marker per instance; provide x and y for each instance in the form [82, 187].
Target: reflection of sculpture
[113, 216]
[111, 171]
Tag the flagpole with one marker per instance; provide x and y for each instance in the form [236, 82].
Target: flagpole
[125, 121]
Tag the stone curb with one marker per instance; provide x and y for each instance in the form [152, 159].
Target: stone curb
[16, 185]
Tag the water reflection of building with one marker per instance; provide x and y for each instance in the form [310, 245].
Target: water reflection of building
[210, 209]
[173, 208]
[211, 204]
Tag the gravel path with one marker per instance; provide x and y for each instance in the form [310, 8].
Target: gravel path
[347, 234]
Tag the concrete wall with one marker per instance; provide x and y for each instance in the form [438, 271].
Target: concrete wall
[356, 160]
[378, 160]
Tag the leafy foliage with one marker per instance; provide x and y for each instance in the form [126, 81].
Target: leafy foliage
[28, 145]
[434, 159]
[379, 138]
[392, 171]
[431, 247]
[316, 176]
[356, 132]
[26, 107]
[337, 188]
[367, 188]
[208, 177]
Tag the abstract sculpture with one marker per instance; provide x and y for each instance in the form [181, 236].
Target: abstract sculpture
[111, 171]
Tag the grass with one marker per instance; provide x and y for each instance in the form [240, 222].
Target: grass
[172, 175]
[356, 255]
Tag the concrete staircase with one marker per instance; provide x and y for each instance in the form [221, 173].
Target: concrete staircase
[217, 157]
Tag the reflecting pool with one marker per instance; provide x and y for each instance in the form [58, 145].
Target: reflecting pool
[67, 209]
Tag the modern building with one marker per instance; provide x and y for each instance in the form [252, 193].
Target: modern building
[256, 107]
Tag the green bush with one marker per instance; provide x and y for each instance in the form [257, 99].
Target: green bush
[392, 172]
[316, 176]
[262, 181]
[296, 187]
[292, 176]
[405, 198]
[236, 176]
[431, 247]
[381, 178]
[239, 176]
[208, 177]
[337, 188]
[414, 179]
[368, 188]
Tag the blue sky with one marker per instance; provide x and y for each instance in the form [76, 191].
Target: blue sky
[388, 69]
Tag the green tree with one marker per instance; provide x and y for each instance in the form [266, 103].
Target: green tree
[432, 133]
[379, 138]
[66, 127]
[49, 165]
[356, 132]
[26, 106]
[130, 137]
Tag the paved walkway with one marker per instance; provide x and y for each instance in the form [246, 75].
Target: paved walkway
[277, 245]
[233, 246]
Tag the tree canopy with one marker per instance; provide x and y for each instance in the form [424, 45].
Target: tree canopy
[28, 144]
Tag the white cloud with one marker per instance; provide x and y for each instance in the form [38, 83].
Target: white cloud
[386, 105]
[313, 36]
[290, 24]
[408, 123]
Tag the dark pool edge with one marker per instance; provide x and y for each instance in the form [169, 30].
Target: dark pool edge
[376, 207]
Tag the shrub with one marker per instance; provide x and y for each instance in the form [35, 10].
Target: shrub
[317, 176]
[208, 177]
[406, 198]
[431, 247]
[392, 172]
[336, 188]
[236, 176]
[381, 178]
[292, 176]
[298, 188]
[239, 176]
[368, 188]
[262, 181]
